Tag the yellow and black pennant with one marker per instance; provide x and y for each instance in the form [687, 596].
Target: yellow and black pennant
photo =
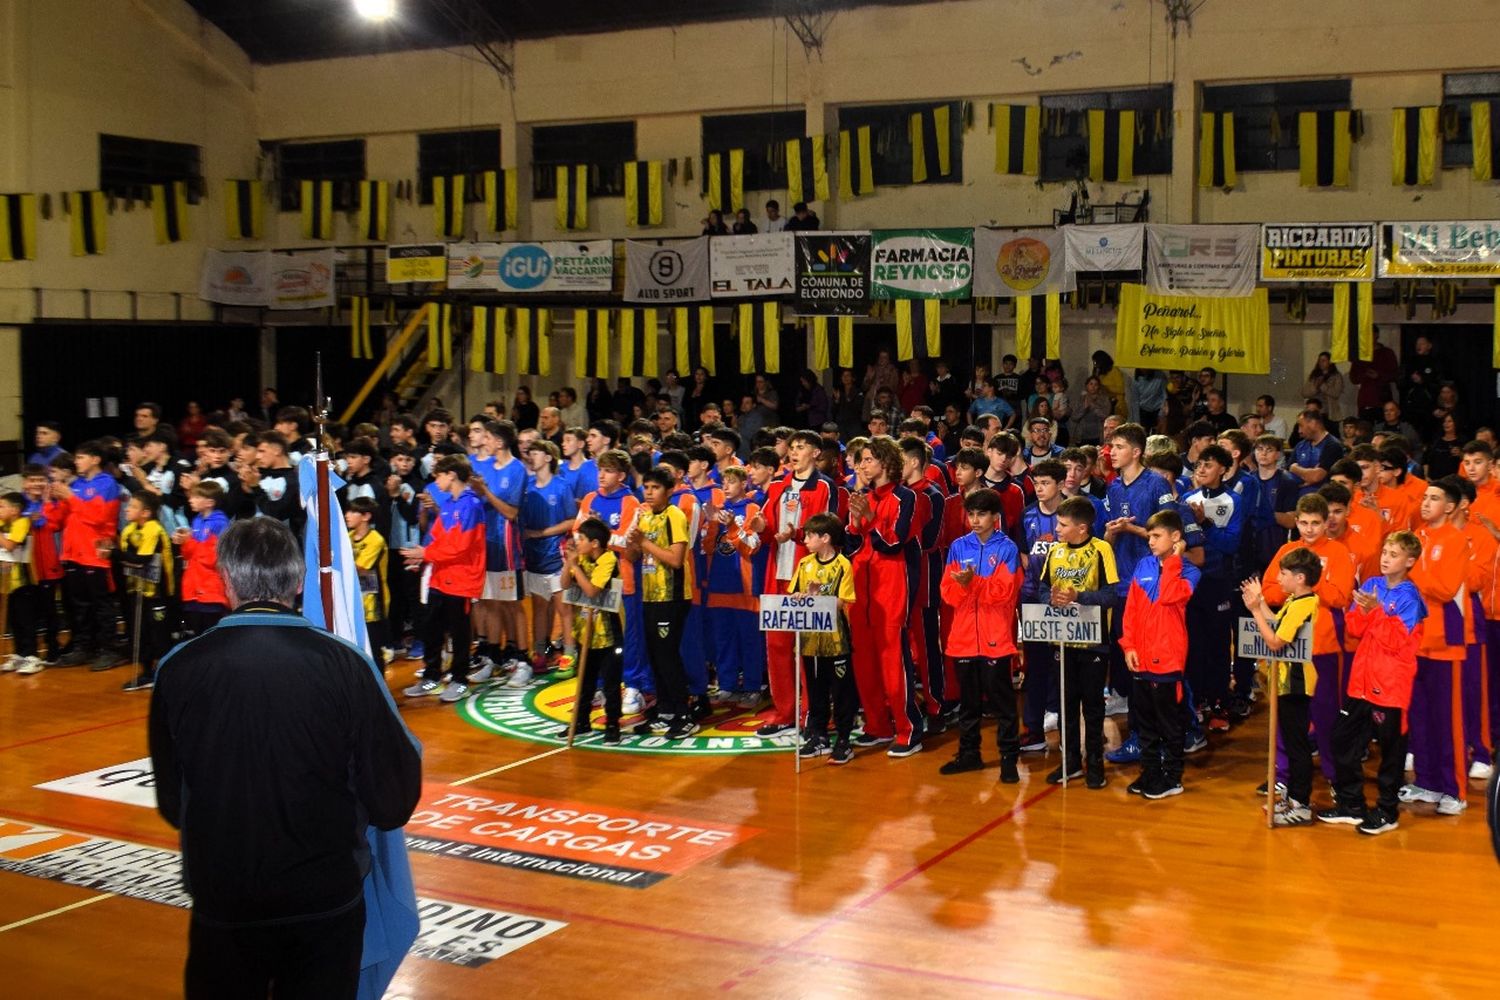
[1018, 138]
[759, 332]
[724, 180]
[806, 169]
[1034, 323]
[17, 227]
[820, 342]
[448, 195]
[1353, 321]
[169, 211]
[374, 210]
[1112, 139]
[856, 163]
[1216, 166]
[693, 335]
[1414, 146]
[487, 342]
[440, 335]
[919, 329]
[643, 187]
[573, 197]
[931, 140]
[638, 346]
[591, 343]
[360, 343]
[86, 222]
[244, 212]
[1326, 143]
[1484, 138]
[500, 200]
[317, 210]
[533, 331]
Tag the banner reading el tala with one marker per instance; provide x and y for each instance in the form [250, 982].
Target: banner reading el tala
[1189, 331]
[923, 263]
[1021, 262]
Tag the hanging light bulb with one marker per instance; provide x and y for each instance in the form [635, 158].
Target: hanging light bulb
[375, 10]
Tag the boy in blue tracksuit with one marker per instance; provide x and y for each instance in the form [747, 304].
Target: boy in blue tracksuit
[1211, 614]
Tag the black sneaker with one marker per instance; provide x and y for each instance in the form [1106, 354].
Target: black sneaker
[962, 763]
[652, 727]
[814, 747]
[1163, 789]
[1349, 815]
[1239, 708]
[682, 729]
[1056, 777]
[1095, 780]
[904, 749]
[1033, 743]
[611, 736]
[842, 753]
[1138, 786]
[934, 726]
[1377, 822]
[702, 708]
[142, 682]
[1009, 773]
[108, 660]
[865, 741]
[774, 729]
[74, 658]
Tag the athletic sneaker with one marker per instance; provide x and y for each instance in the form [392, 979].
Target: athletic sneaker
[816, 746]
[32, 665]
[1056, 777]
[481, 669]
[652, 727]
[1032, 743]
[1480, 771]
[142, 682]
[1239, 707]
[454, 692]
[1449, 806]
[934, 726]
[1138, 786]
[1095, 780]
[108, 660]
[1128, 752]
[1260, 789]
[631, 703]
[962, 764]
[1416, 793]
[1218, 721]
[1349, 815]
[747, 702]
[842, 753]
[1116, 704]
[904, 749]
[1049, 722]
[521, 676]
[1009, 773]
[1291, 813]
[74, 658]
[1378, 822]
[682, 729]
[862, 740]
[611, 736]
[423, 688]
[1194, 741]
[774, 729]
[1162, 789]
[416, 651]
[12, 661]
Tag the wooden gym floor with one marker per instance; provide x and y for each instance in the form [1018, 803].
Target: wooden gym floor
[875, 878]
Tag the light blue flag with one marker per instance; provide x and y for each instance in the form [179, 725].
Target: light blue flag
[391, 918]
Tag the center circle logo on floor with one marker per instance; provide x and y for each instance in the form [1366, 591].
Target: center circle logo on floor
[539, 713]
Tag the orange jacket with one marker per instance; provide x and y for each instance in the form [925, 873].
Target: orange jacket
[1439, 575]
[1335, 588]
[1487, 505]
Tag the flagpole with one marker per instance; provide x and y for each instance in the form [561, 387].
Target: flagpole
[325, 530]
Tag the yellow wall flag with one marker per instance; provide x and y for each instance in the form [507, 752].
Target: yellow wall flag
[1190, 331]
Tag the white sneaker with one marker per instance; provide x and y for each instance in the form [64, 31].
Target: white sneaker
[31, 665]
[598, 701]
[1410, 764]
[1449, 806]
[1116, 704]
[1416, 793]
[1480, 771]
[520, 677]
[454, 692]
[422, 689]
[1049, 722]
[631, 704]
[749, 701]
[482, 669]
[12, 662]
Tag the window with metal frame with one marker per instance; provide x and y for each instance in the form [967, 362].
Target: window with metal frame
[1065, 140]
[1265, 117]
[890, 135]
[341, 161]
[763, 137]
[1460, 90]
[449, 154]
[128, 167]
[604, 146]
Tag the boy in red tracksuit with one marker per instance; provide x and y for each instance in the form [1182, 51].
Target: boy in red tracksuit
[1153, 637]
[46, 516]
[790, 502]
[980, 586]
[203, 599]
[91, 505]
[1387, 619]
[881, 516]
[938, 695]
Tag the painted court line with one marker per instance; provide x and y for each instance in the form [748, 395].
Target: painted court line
[73, 732]
[513, 764]
[53, 913]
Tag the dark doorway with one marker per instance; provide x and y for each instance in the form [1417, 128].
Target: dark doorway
[297, 350]
[1464, 354]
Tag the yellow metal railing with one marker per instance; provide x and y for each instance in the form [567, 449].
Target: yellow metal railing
[392, 356]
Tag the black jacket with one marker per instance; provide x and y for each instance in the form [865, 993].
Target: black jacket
[275, 745]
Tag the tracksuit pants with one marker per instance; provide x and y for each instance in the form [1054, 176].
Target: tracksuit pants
[603, 668]
[24, 610]
[1359, 722]
[1476, 695]
[1211, 624]
[1492, 673]
[830, 682]
[1292, 712]
[927, 658]
[1041, 685]
[886, 677]
[739, 654]
[663, 624]
[637, 664]
[981, 679]
[781, 671]
[1156, 711]
[447, 617]
[1323, 710]
[1083, 694]
[1437, 727]
[86, 589]
[697, 648]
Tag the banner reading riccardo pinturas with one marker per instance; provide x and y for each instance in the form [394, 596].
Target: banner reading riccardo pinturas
[922, 263]
[1183, 331]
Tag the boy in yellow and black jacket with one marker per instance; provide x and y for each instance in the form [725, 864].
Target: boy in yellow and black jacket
[826, 656]
[590, 566]
[145, 553]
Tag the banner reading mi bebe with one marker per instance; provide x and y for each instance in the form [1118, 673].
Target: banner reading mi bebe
[1182, 331]
[1317, 251]
[1440, 250]
[922, 263]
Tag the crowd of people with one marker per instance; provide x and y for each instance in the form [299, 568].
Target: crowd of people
[930, 509]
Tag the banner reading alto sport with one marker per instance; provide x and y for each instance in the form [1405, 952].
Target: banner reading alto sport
[922, 263]
[1190, 331]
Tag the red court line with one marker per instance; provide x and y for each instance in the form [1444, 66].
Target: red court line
[74, 732]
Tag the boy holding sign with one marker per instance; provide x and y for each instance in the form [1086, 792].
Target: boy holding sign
[826, 657]
[590, 566]
[1297, 573]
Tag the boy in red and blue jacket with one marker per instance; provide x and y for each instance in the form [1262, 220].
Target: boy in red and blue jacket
[1153, 637]
[1387, 619]
[204, 601]
[46, 516]
[91, 516]
[981, 585]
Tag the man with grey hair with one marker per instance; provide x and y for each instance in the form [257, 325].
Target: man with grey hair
[275, 745]
[549, 423]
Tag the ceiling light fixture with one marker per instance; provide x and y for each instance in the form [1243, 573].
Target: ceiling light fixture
[375, 10]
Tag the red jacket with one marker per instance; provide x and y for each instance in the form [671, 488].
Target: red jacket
[456, 552]
[818, 495]
[47, 518]
[1155, 621]
[884, 579]
[983, 611]
[200, 554]
[93, 516]
[1385, 664]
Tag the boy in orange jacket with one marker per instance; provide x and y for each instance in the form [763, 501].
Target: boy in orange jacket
[980, 586]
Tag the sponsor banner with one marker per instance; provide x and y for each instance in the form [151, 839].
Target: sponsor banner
[922, 263]
[1070, 625]
[833, 274]
[672, 271]
[555, 267]
[474, 266]
[540, 715]
[568, 839]
[133, 783]
[1181, 331]
[1253, 647]
[302, 280]
[798, 613]
[760, 264]
[1021, 262]
[456, 933]
[235, 278]
[1440, 249]
[414, 262]
[1202, 260]
[1105, 248]
[1317, 251]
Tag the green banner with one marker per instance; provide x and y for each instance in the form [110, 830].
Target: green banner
[922, 263]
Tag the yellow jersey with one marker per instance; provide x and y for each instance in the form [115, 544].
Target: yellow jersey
[607, 630]
[139, 544]
[1296, 678]
[831, 578]
[660, 582]
[370, 555]
[17, 573]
